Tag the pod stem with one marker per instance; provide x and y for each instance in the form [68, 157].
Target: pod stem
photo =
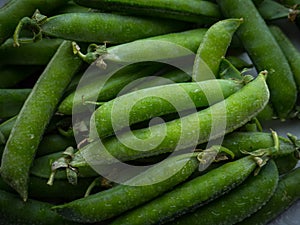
[33, 24]
[64, 163]
[262, 156]
[213, 154]
[94, 54]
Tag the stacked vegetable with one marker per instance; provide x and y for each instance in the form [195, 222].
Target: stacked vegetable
[146, 112]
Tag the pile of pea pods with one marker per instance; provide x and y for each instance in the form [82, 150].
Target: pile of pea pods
[147, 112]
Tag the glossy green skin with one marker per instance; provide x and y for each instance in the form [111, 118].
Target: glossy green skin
[40, 190]
[11, 101]
[264, 52]
[106, 89]
[37, 53]
[114, 201]
[287, 192]
[107, 120]
[201, 12]
[239, 202]
[214, 46]
[105, 27]
[14, 10]
[290, 51]
[240, 108]
[12, 76]
[14, 211]
[34, 116]
[191, 194]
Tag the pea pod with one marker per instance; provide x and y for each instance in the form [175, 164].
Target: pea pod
[214, 47]
[290, 51]
[106, 88]
[40, 190]
[14, 211]
[272, 10]
[98, 27]
[255, 96]
[287, 193]
[147, 103]
[112, 202]
[11, 101]
[243, 200]
[38, 53]
[191, 195]
[201, 12]
[20, 9]
[264, 52]
[33, 118]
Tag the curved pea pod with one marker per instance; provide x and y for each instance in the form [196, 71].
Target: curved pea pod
[11, 101]
[233, 112]
[290, 51]
[200, 12]
[213, 47]
[38, 53]
[143, 187]
[14, 211]
[20, 9]
[34, 117]
[243, 200]
[98, 27]
[147, 103]
[286, 193]
[192, 194]
[265, 53]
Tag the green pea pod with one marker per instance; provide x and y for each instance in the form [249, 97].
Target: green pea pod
[11, 76]
[39, 189]
[38, 53]
[265, 53]
[243, 200]
[287, 193]
[201, 12]
[272, 10]
[290, 51]
[14, 211]
[98, 27]
[250, 141]
[157, 101]
[11, 101]
[112, 202]
[214, 47]
[103, 87]
[191, 195]
[20, 9]
[34, 116]
[177, 133]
